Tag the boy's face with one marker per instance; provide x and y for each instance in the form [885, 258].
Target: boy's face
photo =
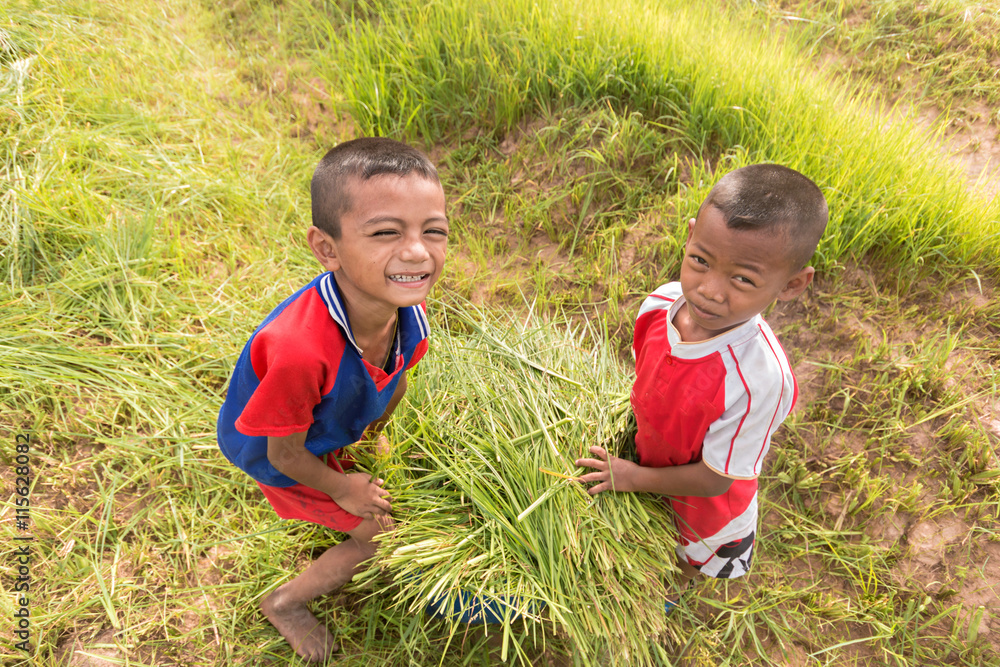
[729, 275]
[392, 243]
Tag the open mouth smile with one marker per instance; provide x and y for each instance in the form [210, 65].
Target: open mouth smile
[401, 278]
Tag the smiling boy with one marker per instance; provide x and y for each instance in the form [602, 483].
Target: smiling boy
[712, 382]
[328, 366]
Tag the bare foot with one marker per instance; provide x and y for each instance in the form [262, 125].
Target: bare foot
[295, 622]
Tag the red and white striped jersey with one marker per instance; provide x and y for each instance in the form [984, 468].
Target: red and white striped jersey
[717, 401]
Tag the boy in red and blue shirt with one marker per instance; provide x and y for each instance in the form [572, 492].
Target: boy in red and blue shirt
[328, 366]
[712, 382]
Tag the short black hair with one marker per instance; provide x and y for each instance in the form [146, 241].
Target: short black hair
[359, 159]
[775, 199]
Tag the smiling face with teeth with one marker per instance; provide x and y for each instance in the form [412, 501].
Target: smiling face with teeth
[391, 248]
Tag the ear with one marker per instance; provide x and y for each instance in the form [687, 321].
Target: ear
[690, 231]
[797, 284]
[324, 248]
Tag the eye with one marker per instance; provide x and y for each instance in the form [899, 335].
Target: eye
[437, 231]
[745, 281]
[384, 232]
[698, 260]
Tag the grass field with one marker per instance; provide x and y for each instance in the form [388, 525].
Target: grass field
[156, 157]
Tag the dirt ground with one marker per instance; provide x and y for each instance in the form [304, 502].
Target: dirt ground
[972, 145]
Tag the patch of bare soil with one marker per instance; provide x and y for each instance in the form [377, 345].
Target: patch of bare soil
[310, 100]
[510, 276]
[929, 542]
[981, 589]
[950, 560]
[203, 602]
[97, 651]
[973, 145]
[971, 142]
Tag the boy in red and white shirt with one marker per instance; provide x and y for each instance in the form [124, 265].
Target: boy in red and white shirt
[712, 382]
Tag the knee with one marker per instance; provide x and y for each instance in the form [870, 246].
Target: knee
[364, 534]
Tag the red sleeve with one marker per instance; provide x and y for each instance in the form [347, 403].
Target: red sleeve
[652, 311]
[292, 381]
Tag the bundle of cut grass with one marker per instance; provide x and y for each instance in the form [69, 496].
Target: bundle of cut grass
[485, 501]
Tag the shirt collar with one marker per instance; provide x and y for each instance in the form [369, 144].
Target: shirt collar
[703, 348]
[412, 319]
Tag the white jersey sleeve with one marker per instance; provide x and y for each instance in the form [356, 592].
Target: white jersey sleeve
[759, 393]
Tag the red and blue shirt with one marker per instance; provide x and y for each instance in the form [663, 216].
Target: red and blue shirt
[302, 370]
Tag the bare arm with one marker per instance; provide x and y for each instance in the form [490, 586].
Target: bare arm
[615, 474]
[354, 492]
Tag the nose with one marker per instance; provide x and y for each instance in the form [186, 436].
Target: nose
[711, 288]
[414, 250]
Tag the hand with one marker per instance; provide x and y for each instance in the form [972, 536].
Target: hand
[613, 473]
[362, 497]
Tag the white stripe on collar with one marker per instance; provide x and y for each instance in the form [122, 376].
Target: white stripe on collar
[331, 297]
[421, 317]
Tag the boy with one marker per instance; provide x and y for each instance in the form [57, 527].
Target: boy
[712, 383]
[328, 366]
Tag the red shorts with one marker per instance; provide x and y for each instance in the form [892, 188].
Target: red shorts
[307, 504]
